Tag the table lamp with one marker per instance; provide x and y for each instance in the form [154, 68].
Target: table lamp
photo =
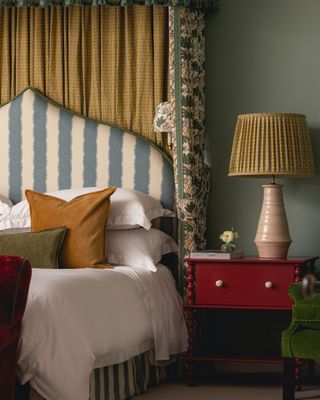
[272, 145]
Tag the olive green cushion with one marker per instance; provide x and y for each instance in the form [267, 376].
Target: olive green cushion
[40, 248]
[304, 344]
[305, 311]
[302, 338]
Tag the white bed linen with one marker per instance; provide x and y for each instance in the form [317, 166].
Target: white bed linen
[78, 320]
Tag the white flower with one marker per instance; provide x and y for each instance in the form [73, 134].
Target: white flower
[229, 236]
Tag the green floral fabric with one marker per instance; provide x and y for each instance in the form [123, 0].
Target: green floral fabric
[164, 120]
[186, 118]
[196, 4]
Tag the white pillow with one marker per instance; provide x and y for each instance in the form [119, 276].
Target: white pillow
[129, 208]
[139, 248]
[5, 205]
[13, 222]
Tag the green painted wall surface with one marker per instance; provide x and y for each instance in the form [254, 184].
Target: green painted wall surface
[262, 56]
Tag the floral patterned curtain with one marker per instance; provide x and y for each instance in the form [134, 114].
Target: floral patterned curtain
[183, 117]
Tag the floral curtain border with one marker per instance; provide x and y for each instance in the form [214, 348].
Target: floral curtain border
[187, 82]
[211, 5]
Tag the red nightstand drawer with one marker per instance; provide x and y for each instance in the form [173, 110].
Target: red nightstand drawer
[243, 285]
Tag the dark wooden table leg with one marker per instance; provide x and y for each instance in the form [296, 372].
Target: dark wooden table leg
[190, 323]
[297, 374]
[311, 369]
[22, 392]
[288, 387]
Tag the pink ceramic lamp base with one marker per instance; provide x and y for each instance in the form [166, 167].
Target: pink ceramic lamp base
[273, 237]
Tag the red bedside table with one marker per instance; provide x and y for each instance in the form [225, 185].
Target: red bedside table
[246, 284]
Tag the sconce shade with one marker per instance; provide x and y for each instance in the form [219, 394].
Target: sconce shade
[271, 144]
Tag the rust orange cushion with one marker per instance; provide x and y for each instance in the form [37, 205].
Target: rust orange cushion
[85, 218]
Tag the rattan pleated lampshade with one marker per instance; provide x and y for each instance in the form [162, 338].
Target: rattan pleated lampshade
[271, 144]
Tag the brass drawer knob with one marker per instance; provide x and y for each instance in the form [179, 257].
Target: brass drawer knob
[219, 283]
[268, 284]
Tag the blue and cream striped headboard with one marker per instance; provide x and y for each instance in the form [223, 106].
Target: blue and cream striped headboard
[46, 148]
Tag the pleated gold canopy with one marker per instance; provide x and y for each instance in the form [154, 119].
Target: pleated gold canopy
[271, 144]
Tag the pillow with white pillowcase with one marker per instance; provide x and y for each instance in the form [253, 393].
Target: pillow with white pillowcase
[5, 205]
[130, 209]
[139, 248]
[8, 221]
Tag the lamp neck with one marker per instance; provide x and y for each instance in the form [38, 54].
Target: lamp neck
[273, 180]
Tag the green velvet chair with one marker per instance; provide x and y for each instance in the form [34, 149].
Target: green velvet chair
[302, 339]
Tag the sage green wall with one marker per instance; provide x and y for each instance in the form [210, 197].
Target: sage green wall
[261, 56]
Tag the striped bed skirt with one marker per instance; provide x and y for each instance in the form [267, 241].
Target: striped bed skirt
[121, 381]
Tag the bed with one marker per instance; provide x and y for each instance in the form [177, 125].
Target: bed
[47, 148]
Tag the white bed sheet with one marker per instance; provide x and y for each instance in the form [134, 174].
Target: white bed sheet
[78, 320]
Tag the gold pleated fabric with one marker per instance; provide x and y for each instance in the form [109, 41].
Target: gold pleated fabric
[107, 63]
[271, 144]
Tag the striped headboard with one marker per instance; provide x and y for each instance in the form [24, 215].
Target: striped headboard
[46, 148]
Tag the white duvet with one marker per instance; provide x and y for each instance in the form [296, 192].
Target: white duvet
[78, 320]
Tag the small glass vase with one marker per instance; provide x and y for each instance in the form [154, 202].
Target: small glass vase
[228, 247]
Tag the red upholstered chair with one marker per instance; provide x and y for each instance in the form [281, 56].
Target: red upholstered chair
[15, 275]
